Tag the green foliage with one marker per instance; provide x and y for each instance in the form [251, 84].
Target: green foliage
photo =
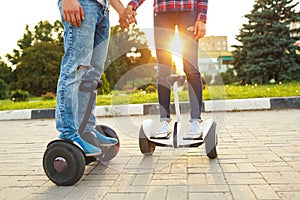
[38, 56]
[48, 96]
[260, 91]
[118, 64]
[144, 86]
[39, 70]
[6, 72]
[43, 32]
[267, 51]
[229, 77]
[150, 89]
[19, 95]
[105, 88]
[37, 59]
[36, 103]
[4, 90]
[211, 92]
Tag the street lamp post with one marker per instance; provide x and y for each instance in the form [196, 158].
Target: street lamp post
[132, 56]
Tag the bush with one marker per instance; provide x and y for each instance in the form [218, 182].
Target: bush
[105, 88]
[143, 87]
[48, 96]
[4, 90]
[128, 88]
[150, 89]
[206, 79]
[19, 95]
[229, 77]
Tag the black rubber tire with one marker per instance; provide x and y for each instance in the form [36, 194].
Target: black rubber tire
[175, 142]
[74, 158]
[112, 151]
[89, 160]
[211, 142]
[147, 147]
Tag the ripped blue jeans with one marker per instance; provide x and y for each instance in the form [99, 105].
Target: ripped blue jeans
[84, 46]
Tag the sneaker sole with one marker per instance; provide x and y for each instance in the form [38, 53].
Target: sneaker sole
[162, 136]
[93, 154]
[193, 137]
[108, 145]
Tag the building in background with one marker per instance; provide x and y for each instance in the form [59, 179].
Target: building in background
[294, 27]
[214, 43]
[214, 57]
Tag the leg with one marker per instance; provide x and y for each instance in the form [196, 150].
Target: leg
[71, 75]
[190, 63]
[163, 34]
[164, 28]
[100, 44]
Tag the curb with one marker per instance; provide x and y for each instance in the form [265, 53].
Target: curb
[145, 109]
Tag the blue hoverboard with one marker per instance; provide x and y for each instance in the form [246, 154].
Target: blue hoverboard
[64, 161]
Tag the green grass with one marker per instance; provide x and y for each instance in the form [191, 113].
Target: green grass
[210, 92]
[31, 104]
[259, 91]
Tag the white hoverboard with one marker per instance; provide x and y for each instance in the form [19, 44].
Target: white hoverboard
[148, 141]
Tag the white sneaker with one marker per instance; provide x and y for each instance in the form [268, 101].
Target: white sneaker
[195, 131]
[164, 130]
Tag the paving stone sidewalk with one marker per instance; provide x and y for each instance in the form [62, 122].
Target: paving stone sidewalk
[259, 158]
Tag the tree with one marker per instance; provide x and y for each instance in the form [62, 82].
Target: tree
[43, 31]
[105, 88]
[4, 90]
[39, 70]
[38, 56]
[6, 72]
[37, 59]
[267, 48]
[117, 64]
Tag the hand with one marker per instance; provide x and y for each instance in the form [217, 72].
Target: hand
[127, 17]
[199, 29]
[73, 12]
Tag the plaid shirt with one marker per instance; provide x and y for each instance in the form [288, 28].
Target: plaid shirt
[177, 5]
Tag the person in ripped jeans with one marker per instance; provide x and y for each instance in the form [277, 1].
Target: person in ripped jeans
[86, 37]
[190, 18]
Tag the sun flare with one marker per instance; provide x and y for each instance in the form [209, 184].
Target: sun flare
[176, 46]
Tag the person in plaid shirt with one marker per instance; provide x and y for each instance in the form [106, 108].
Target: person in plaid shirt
[190, 18]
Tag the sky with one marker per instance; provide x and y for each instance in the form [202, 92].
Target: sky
[224, 18]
